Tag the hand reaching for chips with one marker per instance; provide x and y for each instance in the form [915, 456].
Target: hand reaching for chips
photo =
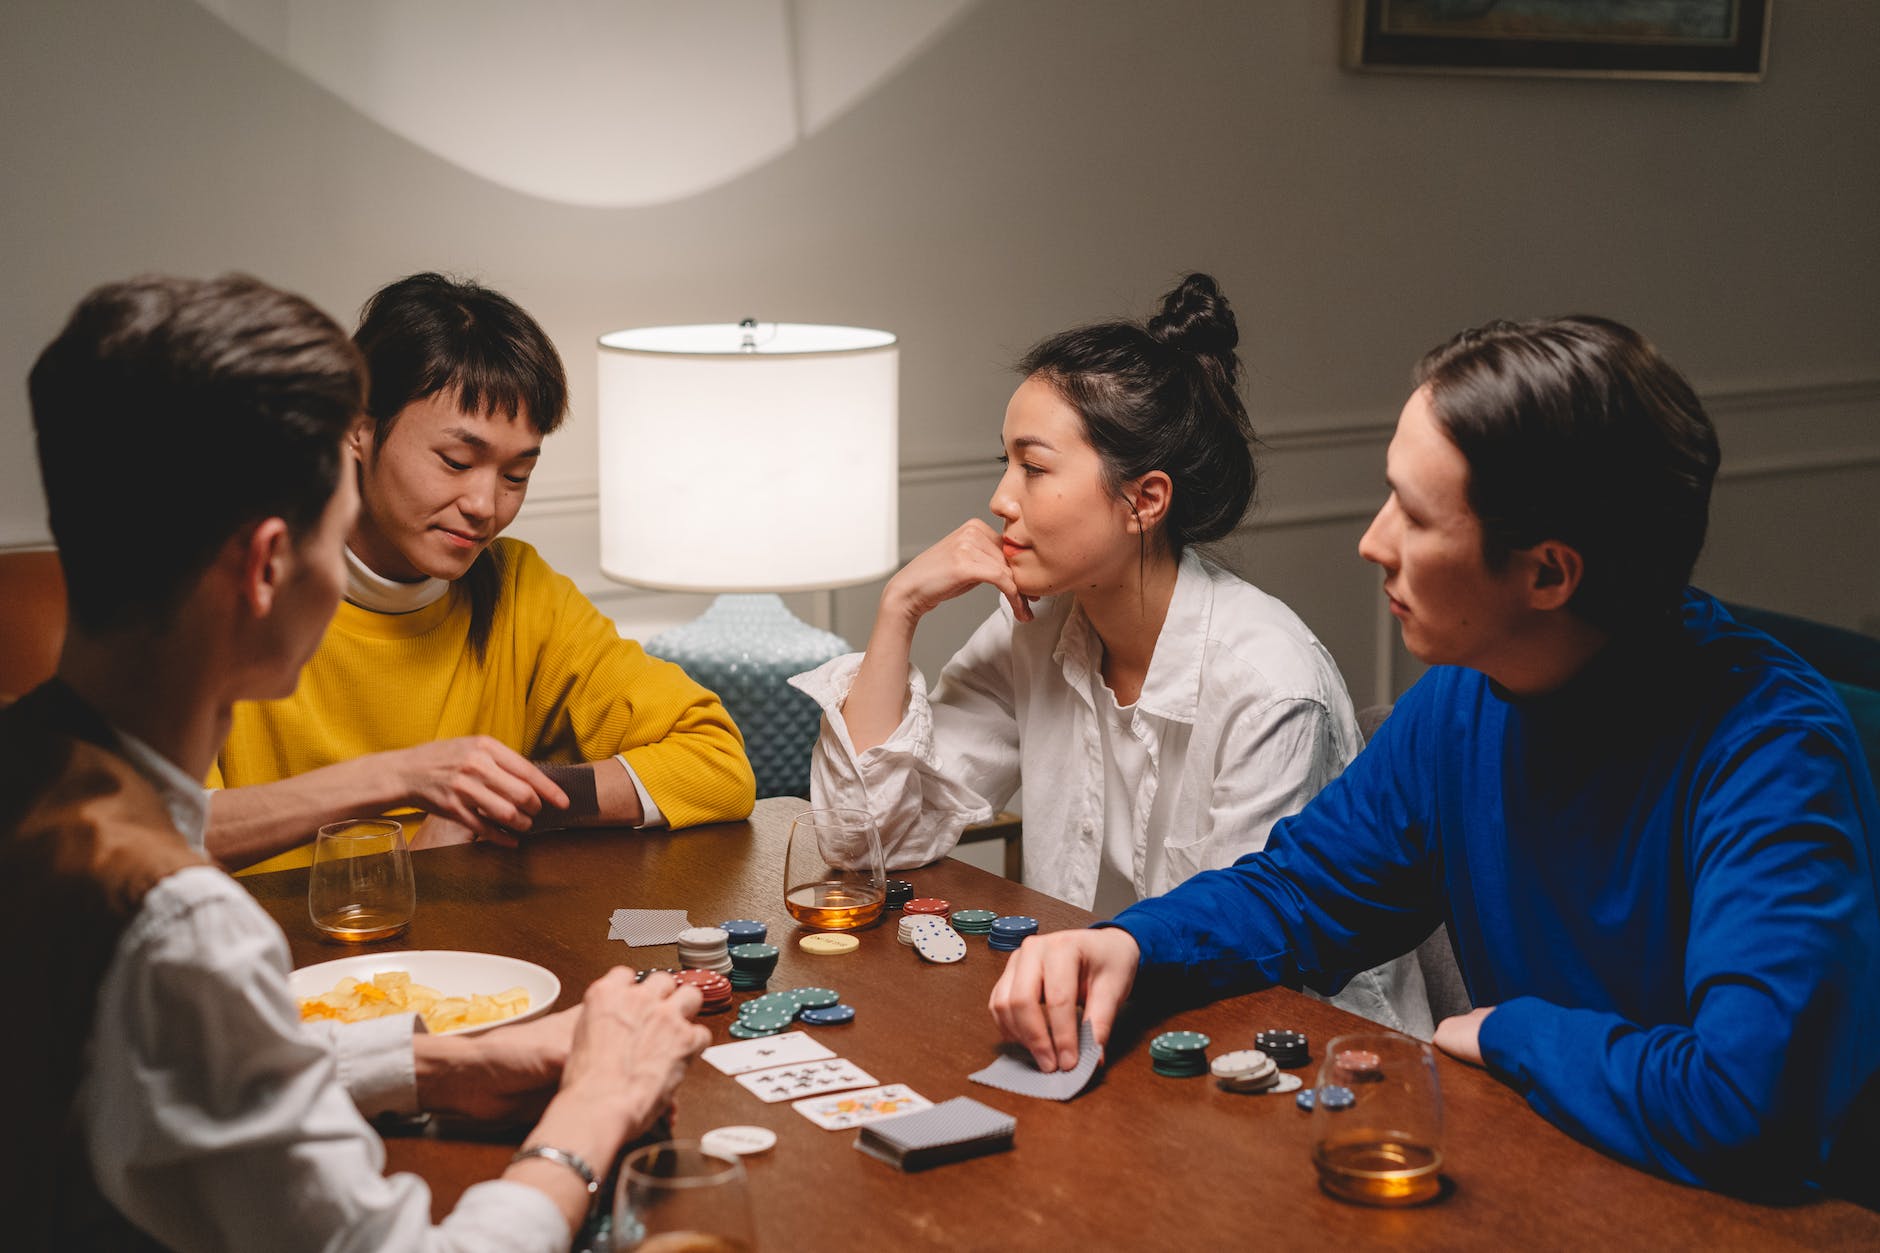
[393, 992]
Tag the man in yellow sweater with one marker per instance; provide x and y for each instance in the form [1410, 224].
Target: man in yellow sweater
[460, 666]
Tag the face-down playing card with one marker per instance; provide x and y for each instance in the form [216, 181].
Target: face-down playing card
[1014, 1071]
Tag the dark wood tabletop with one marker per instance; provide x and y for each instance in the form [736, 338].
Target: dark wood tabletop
[1137, 1162]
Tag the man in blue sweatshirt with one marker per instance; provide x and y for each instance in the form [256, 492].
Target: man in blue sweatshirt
[1648, 828]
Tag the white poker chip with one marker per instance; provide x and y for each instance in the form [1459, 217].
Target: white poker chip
[737, 1141]
[1242, 1064]
[1287, 1083]
[936, 947]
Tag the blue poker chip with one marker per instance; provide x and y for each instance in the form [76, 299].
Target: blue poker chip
[744, 930]
[834, 1016]
[1335, 1097]
[1306, 1098]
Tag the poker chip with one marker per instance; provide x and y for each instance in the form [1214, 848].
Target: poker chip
[643, 975]
[900, 892]
[944, 948]
[1287, 1083]
[828, 945]
[713, 988]
[1306, 1099]
[832, 1016]
[1245, 1070]
[913, 926]
[973, 921]
[744, 1029]
[783, 1001]
[1288, 1049]
[1359, 1065]
[751, 965]
[744, 931]
[816, 998]
[1009, 932]
[933, 905]
[704, 948]
[737, 1141]
[1337, 1097]
[1179, 1054]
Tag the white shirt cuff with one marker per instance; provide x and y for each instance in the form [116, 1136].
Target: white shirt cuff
[376, 1064]
[649, 811]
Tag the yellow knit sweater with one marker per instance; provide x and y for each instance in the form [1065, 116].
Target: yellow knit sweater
[557, 682]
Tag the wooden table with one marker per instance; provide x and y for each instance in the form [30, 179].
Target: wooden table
[1138, 1162]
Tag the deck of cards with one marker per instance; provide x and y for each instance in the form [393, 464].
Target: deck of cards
[951, 1131]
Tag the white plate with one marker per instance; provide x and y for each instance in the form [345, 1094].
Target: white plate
[450, 972]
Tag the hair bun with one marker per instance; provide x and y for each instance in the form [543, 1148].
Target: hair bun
[1196, 318]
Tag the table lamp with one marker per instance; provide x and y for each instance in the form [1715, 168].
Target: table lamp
[749, 460]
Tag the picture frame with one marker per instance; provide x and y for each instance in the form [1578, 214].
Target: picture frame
[1692, 40]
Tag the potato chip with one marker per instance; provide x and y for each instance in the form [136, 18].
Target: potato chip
[393, 992]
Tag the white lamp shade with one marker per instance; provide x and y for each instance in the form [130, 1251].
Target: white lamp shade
[732, 470]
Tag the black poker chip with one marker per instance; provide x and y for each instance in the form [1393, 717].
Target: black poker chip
[1288, 1049]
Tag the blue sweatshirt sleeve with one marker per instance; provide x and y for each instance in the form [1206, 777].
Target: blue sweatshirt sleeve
[1779, 979]
[1342, 886]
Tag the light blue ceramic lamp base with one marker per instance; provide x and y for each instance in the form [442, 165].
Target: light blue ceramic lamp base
[745, 648]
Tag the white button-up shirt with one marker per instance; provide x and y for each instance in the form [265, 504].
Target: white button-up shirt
[1242, 717]
[215, 1119]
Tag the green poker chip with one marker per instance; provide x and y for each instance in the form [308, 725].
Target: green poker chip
[816, 998]
[748, 1031]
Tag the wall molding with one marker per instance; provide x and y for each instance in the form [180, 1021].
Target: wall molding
[1294, 438]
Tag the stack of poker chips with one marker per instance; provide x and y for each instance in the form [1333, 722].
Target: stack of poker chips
[704, 948]
[772, 1012]
[900, 892]
[712, 986]
[1245, 1070]
[933, 906]
[751, 965]
[974, 921]
[744, 931]
[1010, 931]
[1359, 1065]
[1179, 1054]
[1288, 1049]
[905, 931]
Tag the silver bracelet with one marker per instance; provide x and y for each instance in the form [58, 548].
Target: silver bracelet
[570, 1160]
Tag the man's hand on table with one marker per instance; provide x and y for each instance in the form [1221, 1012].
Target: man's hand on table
[502, 1075]
[1461, 1036]
[476, 781]
[632, 1045]
[1035, 1001]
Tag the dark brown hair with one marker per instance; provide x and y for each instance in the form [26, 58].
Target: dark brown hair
[1576, 430]
[172, 412]
[1164, 395]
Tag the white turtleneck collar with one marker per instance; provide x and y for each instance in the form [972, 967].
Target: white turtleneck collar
[368, 589]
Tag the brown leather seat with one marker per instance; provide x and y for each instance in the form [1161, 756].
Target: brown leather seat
[32, 619]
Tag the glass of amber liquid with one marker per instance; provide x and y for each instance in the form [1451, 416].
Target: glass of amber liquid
[361, 887]
[1377, 1134]
[833, 878]
[673, 1197]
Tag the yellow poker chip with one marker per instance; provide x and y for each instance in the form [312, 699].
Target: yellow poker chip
[828, 945]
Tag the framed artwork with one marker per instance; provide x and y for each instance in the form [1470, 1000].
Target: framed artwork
[1716, 40]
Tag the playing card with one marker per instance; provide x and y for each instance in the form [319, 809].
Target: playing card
[852, 1109]
[786, 1083]
[1014, 1071]
[949, 1132]
[643, 927]
[785, 1049]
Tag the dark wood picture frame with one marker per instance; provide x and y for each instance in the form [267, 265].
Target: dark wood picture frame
[1556, 38]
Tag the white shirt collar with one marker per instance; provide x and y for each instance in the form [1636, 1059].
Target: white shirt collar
[183, 796]
[368, 589]
[1172, 687]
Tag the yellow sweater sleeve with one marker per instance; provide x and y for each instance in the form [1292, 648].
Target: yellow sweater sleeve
[594, 694]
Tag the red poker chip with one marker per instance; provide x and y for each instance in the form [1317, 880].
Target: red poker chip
[1359, 1063]
[928, 905]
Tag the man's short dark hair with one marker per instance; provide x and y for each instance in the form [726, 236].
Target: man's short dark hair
[1576, 430]
[427, 333]
[170, 413]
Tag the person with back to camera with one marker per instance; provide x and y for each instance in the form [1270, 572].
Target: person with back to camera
[164, 1089]
[1160, 712]
[461, 665]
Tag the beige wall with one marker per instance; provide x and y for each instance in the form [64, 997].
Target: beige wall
[1038, 164]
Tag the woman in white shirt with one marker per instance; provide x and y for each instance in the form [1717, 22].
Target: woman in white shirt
[1160, 713]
